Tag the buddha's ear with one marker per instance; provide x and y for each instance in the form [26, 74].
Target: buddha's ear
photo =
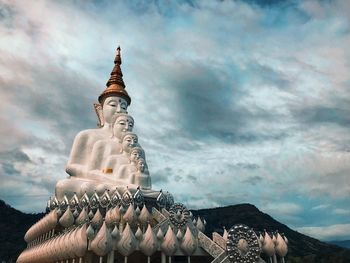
[99, 113]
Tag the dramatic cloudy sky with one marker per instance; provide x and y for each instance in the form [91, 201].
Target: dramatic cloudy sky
[234, 101]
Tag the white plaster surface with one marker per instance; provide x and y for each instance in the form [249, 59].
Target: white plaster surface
[108, 157]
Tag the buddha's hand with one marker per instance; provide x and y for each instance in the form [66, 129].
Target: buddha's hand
[76, 170]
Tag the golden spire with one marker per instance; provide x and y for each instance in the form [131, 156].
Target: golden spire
[115, 84]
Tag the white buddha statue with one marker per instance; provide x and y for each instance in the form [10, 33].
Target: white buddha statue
[93, 150]
[141, 176]
[113, 162]
[112, 146]
[124, 172]
[113, 100]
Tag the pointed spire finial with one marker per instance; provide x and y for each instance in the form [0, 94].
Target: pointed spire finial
[115, 84]
[118, 59]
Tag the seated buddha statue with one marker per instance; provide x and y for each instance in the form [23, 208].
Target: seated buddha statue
[113, 162]
[124, 172]
[141, 176]
[112, 146]
[113, 100]
[93, 149]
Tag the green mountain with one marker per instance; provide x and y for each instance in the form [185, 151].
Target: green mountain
[341, 243]
[13, 226]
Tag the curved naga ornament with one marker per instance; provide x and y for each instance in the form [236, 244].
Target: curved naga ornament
[243, 245]
[94, 201]
[179, 215]
[138, 197]
[127, 198]
[169, 199]
[84, 201]
[115, 199]
[105, 199]
[161, 199]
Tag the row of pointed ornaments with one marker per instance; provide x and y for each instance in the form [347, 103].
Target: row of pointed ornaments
[124, 224]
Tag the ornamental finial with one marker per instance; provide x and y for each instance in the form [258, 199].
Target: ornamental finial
[115, 84]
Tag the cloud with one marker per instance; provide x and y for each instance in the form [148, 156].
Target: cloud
[328, 233]
[161, 176]
[284, 209]
[321, 207]
[341, 211]
[321, 114]
[233, 101]
[254, 180]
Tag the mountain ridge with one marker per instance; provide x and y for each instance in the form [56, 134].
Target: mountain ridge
[300, 246]
[13, 226]
[340, 243]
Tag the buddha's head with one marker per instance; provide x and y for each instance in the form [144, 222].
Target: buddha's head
[111, 106]
[123, 123]
[141, 165]
[136, 154]
[129, 141]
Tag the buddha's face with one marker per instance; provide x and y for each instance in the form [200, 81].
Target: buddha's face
[129, 141]
[141, 165]
[113, 105]
[122, 125]
[136, 154]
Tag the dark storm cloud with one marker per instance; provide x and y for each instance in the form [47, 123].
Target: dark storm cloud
[268, 76]
[192, 178]
[14, 155]
[253, 180]
[14, 167]
[208, 103]
[269, 3]
[55, 97]
[322, 115]
[7, 14]
[249, 166]
[162, 175]
[177, 178]
[8, 160]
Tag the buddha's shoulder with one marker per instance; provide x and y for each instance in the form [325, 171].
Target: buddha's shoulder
[91, 133]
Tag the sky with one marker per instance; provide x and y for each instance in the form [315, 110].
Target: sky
[234, 101]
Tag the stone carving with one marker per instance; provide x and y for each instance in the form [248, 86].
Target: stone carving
[243, 245]
[268, 246]
[82, 218]
[115, 199]
[179, 215]
[189, 243]
[102, 242]
[281, 246]
[170, 243]
[149, 243]
[67, 219]
[112, 216]
[144, 216]
[127, 244]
